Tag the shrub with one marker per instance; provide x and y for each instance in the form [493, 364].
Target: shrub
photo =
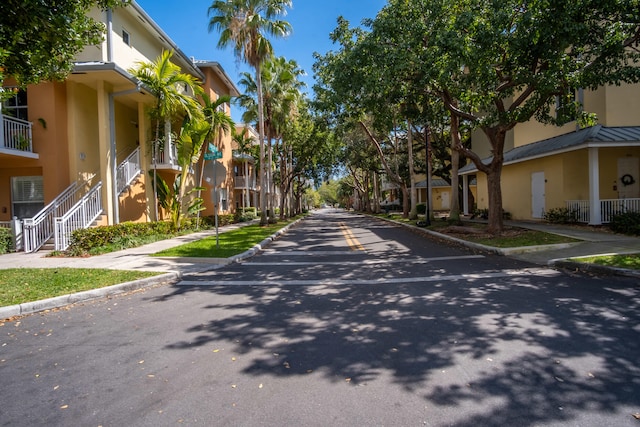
[127, 232]
[421, 209]
[246, 214]
[626, 223]
[223, 219]
[561, 216]
[480, 213]
[484, 214]
[6, 240]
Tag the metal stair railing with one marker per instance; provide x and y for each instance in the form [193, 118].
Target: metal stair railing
[128, 170]
[81, 215]
[40, 228]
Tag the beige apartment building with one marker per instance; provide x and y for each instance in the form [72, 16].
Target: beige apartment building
[78, 152]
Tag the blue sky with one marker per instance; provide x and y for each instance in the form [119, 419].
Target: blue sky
[186, 22]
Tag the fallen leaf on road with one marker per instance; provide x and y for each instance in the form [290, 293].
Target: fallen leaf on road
[216, 350]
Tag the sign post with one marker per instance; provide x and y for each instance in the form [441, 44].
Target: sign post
[214, 154]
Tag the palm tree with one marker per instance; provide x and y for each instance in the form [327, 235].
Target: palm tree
[219, 123]
[281, 94]
[170, 86]
[244, 143]
[244, 24]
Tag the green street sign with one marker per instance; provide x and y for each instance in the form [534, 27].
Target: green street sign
[213, 153]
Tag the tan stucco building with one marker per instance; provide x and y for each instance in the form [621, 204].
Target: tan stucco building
[89, 136]
[593, 172]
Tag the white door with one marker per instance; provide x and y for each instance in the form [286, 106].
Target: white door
[628, 179]
[537, 195]
[446, 199]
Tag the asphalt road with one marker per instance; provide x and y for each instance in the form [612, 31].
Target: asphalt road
[345, 320]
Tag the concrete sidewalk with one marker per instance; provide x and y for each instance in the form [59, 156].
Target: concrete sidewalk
[129, 259]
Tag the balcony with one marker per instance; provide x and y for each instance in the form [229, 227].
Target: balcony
[166, 160]
[16, 137]
[243, 182]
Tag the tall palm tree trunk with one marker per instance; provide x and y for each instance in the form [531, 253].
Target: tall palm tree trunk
[263, 178]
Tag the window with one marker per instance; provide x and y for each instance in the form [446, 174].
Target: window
[222, 108]
[224, 199]
[126, 38]
[27, 196]
[16, 104]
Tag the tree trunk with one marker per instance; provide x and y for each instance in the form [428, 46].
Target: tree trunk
[413, 213]
[263, 183]
[494, 178]
[405, 201]
[270, 190]
[454, 211]
[495, 200]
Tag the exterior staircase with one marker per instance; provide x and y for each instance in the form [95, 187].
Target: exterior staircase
[75, 208]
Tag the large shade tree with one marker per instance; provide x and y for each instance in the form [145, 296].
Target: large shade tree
[501, 63]
[245, 25]
[40, 39]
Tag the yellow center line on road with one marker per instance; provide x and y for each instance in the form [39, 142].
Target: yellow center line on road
[352, 241]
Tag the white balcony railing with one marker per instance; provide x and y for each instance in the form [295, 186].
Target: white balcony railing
[16, 134]
[40, 228]
[163, 159]
[128, 170]
[81, 215]
[608, 208]
[243, 182]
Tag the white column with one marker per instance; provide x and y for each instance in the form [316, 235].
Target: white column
[465, 194]
[595, 217]
[106, 155]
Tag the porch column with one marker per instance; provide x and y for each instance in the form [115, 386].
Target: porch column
[146, 161]
[465, 194]
[106, 156]
[595, 217]
[1, 129]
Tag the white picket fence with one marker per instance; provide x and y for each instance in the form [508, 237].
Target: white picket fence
[608, 208]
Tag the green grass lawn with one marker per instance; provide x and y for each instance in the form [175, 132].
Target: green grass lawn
[19, 285]
[231, 243]
[525, 238]
[630, 261]
[512, 237]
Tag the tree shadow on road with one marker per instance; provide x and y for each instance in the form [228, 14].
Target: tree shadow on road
[519, 351]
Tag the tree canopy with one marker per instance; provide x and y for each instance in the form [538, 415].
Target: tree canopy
[40, 39]
[491, 65]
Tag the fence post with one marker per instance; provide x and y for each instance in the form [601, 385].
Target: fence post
[16, 231]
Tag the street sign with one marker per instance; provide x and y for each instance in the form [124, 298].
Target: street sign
[213, 153]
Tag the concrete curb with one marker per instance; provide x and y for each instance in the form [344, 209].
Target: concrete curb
[64, 300]
[564, 263]
[569, 264]
[481, 247]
